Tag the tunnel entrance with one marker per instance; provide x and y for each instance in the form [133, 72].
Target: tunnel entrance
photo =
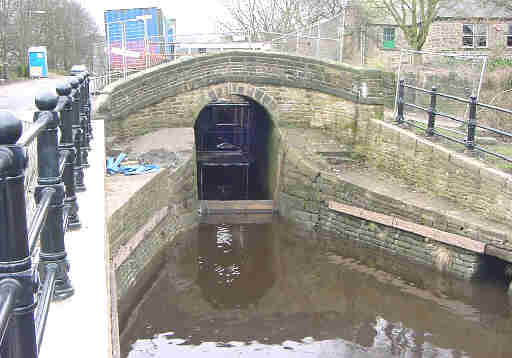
[232, 149]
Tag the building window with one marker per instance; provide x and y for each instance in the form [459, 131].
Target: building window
[474, 35]
[508, 36]
[389, 38]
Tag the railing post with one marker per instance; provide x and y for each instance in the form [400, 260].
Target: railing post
[83, 122]
[67, 145]
[78, 171]
[53, 250]
[470, 139]
[88, 107]
[15, 261]
[400, 102]
[432, 112]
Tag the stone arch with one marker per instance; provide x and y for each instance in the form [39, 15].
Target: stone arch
[265, 120]
[246, 90]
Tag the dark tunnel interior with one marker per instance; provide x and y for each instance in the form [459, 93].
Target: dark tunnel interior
[232, 149]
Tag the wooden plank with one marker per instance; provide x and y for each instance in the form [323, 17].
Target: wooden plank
[377, 217]
[422, 230]
[238, 218]
[459, 241]
[237, 206]
[499, 253]
[414, 228]
[346, 209]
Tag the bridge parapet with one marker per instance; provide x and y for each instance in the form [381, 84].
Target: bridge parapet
[258, 69]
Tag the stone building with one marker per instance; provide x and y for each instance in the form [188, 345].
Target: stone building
[462, 27]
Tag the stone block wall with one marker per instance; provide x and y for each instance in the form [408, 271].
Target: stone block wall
[304, 197]
[430, 168]
[173, 94]
[446, 35]
[287, 107]
[139, 231]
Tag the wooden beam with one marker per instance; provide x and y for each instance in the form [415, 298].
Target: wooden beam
[422, 230]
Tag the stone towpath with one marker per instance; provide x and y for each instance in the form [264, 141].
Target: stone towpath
[79, 326]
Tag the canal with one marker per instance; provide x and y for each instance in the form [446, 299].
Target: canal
[264, 287]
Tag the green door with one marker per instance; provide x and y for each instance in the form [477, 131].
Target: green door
[389, 38]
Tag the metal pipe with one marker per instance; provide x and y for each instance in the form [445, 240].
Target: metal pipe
[8, 290]
[416, 106]
[44, 305]
[497, 131]
[451, 117]
[66, 213]
[63, 155]
[453, 97]
[504, 110]
[493, 153]
[34, 130]
[39, 217]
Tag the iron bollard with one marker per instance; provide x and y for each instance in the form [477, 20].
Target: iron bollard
[15, 261]
[400, 103]
[83, 123]
[88, 105]
[53, 251]
[85, 114]
[470, 140]
[78, 172]
[67, 145]
[432, 112]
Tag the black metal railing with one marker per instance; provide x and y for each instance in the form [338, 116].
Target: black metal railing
[471, 123]
[24, 302]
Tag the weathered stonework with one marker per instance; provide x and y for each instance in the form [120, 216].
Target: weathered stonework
[308, 94]
[180, 90]
[140, 229]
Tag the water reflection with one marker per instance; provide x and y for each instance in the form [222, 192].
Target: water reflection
[276, 290]
[235, 269]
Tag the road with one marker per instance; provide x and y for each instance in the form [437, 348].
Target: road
[19, 97]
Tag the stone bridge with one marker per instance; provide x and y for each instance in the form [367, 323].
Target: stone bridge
[333, 162]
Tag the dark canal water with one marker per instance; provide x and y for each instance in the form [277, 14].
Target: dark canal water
[274, 290]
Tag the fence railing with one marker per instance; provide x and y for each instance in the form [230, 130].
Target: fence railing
[24, 301]
[470, 140]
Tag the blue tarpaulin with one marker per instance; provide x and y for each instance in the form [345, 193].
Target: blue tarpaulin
[114, 167]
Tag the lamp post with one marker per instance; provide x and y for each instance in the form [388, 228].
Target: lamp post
[146, 44]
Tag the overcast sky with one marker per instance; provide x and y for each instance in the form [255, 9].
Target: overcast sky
[192, 16]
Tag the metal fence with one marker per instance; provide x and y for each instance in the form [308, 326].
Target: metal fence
[467, 138]
[121, 58]
[34, 251]
[323, 39]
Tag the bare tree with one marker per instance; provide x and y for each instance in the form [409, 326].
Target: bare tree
[63, 26]
[414, 17]
[256, 17]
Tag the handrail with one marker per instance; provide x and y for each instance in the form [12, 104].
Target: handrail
[34, 131]
[60, 173]
[44, 305]
[39, 218]
[471, 123]
[8, 291]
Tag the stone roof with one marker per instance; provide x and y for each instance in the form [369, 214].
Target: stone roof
[473, 8]
[455, 9]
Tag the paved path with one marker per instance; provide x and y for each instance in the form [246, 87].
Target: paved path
[78, 326]
[19, 97]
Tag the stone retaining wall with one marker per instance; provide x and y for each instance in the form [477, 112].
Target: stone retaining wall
[304, 93]
[305, 201]
[139, 230]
